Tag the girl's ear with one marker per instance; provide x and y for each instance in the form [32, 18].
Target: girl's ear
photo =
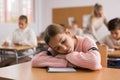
[68, 32]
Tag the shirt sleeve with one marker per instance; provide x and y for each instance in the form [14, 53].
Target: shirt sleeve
[92, 28]
[108, 41]
[43, 60]
[105, 22]
[87, 58]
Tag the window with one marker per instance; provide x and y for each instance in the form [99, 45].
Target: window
[10, 10]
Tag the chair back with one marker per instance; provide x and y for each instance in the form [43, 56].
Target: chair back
[103, 52]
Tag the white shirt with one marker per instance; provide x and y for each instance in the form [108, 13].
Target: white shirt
[110, 42]
[24, 37]
[94, 24]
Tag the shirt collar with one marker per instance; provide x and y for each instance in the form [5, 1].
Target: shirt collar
[24, 30]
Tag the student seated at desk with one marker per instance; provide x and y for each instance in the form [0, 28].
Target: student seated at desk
[67, 50]
[113, 39]
[75, 30]
[22, 35]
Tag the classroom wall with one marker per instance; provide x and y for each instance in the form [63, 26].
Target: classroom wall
[7, 29]
[110, 7]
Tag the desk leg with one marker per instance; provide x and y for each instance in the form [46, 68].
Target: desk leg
[5, 55]
[16, 54]
[2, 55]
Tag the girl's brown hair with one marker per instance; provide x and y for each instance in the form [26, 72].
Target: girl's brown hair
[114, 24]
[97, 8]
[23, 17]
[52, 30]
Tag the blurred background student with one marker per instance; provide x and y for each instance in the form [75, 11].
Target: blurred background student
[75, 30]
[96, 20]
[113, 39]
[23, 35]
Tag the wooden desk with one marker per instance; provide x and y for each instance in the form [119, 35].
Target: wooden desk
[15, 49]
[114, 54]
[18, 48]
[24, 71]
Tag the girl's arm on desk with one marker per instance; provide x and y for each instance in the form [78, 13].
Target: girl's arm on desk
[44, 60]
[88, 57]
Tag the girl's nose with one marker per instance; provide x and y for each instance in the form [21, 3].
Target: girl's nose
[64, 47]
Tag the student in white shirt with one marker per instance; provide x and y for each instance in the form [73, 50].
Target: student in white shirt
[22, 35]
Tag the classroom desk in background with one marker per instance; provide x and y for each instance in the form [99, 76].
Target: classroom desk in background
[14, 49]
[24, 71]
[114, 59]
[114, 54]
[42, 46]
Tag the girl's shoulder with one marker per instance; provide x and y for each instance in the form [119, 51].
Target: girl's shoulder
[85, 43]
[84, 39]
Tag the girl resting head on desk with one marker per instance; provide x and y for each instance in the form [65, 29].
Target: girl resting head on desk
[67, 50]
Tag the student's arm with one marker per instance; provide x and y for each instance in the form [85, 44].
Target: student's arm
[105, 22]
[44, 60]
[89, 58]
[8, 40]
[109, 41]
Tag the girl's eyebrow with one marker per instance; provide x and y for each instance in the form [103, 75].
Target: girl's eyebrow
[61, 39]
[58, 41]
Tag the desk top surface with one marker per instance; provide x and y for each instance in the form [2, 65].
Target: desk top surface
[25, 72]
[114, 54]
[16, 47]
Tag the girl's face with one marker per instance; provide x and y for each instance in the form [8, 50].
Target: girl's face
[74, 26]
[115, 34]
[22, 24]
[99, 13]
[63, 43]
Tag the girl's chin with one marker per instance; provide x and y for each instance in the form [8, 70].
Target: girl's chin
[117, 38]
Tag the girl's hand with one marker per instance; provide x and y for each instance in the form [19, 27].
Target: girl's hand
[16, 43]
[117, 47]
[5, 44]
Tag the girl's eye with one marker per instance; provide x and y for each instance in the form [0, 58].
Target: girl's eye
[57, 48]
[63, 41]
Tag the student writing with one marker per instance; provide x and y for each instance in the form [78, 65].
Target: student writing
[113, 39]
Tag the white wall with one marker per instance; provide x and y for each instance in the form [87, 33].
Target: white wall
[111, 8]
